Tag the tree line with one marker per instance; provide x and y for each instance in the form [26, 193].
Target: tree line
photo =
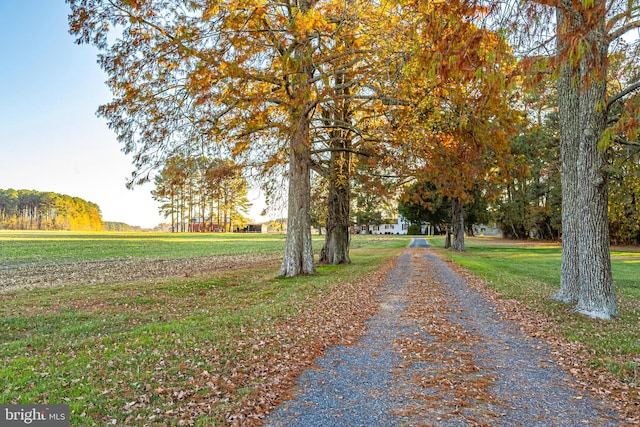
[202, 194]
[381, 95]
[529, 205]
[121, 227]
[35, 210]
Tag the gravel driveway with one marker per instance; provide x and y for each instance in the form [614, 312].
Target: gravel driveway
[438, 354]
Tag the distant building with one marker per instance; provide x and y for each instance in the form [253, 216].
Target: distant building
[398, 225]
[254, 228]
[198, 227]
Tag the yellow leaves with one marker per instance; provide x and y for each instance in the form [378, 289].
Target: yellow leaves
[210, 11]
[310, 22]
[605, 140]
[134, 4]
[627, 127]
[446, 140]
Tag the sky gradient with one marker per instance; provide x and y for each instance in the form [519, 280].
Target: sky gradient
[50, 136]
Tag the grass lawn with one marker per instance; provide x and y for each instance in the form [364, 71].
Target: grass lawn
[161, 350]
[38, 247]
[158, 350]
[530, 272]
[43, 248]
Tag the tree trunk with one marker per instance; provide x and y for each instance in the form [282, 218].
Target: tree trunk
[470, 231]
[569, 120]
[203, 207]
[457, 226]
[336, 244]
[219, 214]
[298, 253]
[173, 213]
[597, 296]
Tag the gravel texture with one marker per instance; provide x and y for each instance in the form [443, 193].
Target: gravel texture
[437, 354]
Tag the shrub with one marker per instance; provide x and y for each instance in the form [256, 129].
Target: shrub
[414, 229]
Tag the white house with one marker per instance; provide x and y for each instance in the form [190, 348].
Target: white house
[398, 225]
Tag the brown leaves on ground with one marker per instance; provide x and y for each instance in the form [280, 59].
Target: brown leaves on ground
[296, 343]
[453, 381]
[236, 383]
[256, 374]
[571, 356]
[268, 362]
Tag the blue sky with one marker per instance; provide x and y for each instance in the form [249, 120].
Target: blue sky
[50, 136]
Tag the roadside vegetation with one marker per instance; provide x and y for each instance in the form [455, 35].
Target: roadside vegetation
[210, 349]
[529, 272]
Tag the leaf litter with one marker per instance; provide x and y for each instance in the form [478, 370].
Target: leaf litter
[246, 381]
[456, 359]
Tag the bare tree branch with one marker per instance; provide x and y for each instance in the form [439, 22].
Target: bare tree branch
[623, 30]
[626, 91]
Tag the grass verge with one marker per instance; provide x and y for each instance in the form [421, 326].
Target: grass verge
[188, 351]
[530, 273]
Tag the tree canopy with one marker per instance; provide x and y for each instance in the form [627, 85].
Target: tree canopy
[244, 77]
[459, 111]
[588, 40]
[354, 89]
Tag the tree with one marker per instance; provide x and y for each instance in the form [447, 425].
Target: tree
[569, 120]
[170, 191]
[8, 207]
[422, 203]
[477, 211]
[586, 32]
[457, 118]
[36, 210]
[373, 199]
[588, 35]
[214, 188]
[338, 173]
[624, 188]
[624, 195]
[529, 205]
[246, 76]
[347, 127]
[318, 203]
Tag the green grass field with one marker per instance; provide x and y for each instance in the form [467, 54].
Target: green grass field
[41, 248]
[147, 352]
[141, 352]
[530, 272]
[35, 248]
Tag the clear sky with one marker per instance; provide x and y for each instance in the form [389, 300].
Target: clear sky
[50, 136]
